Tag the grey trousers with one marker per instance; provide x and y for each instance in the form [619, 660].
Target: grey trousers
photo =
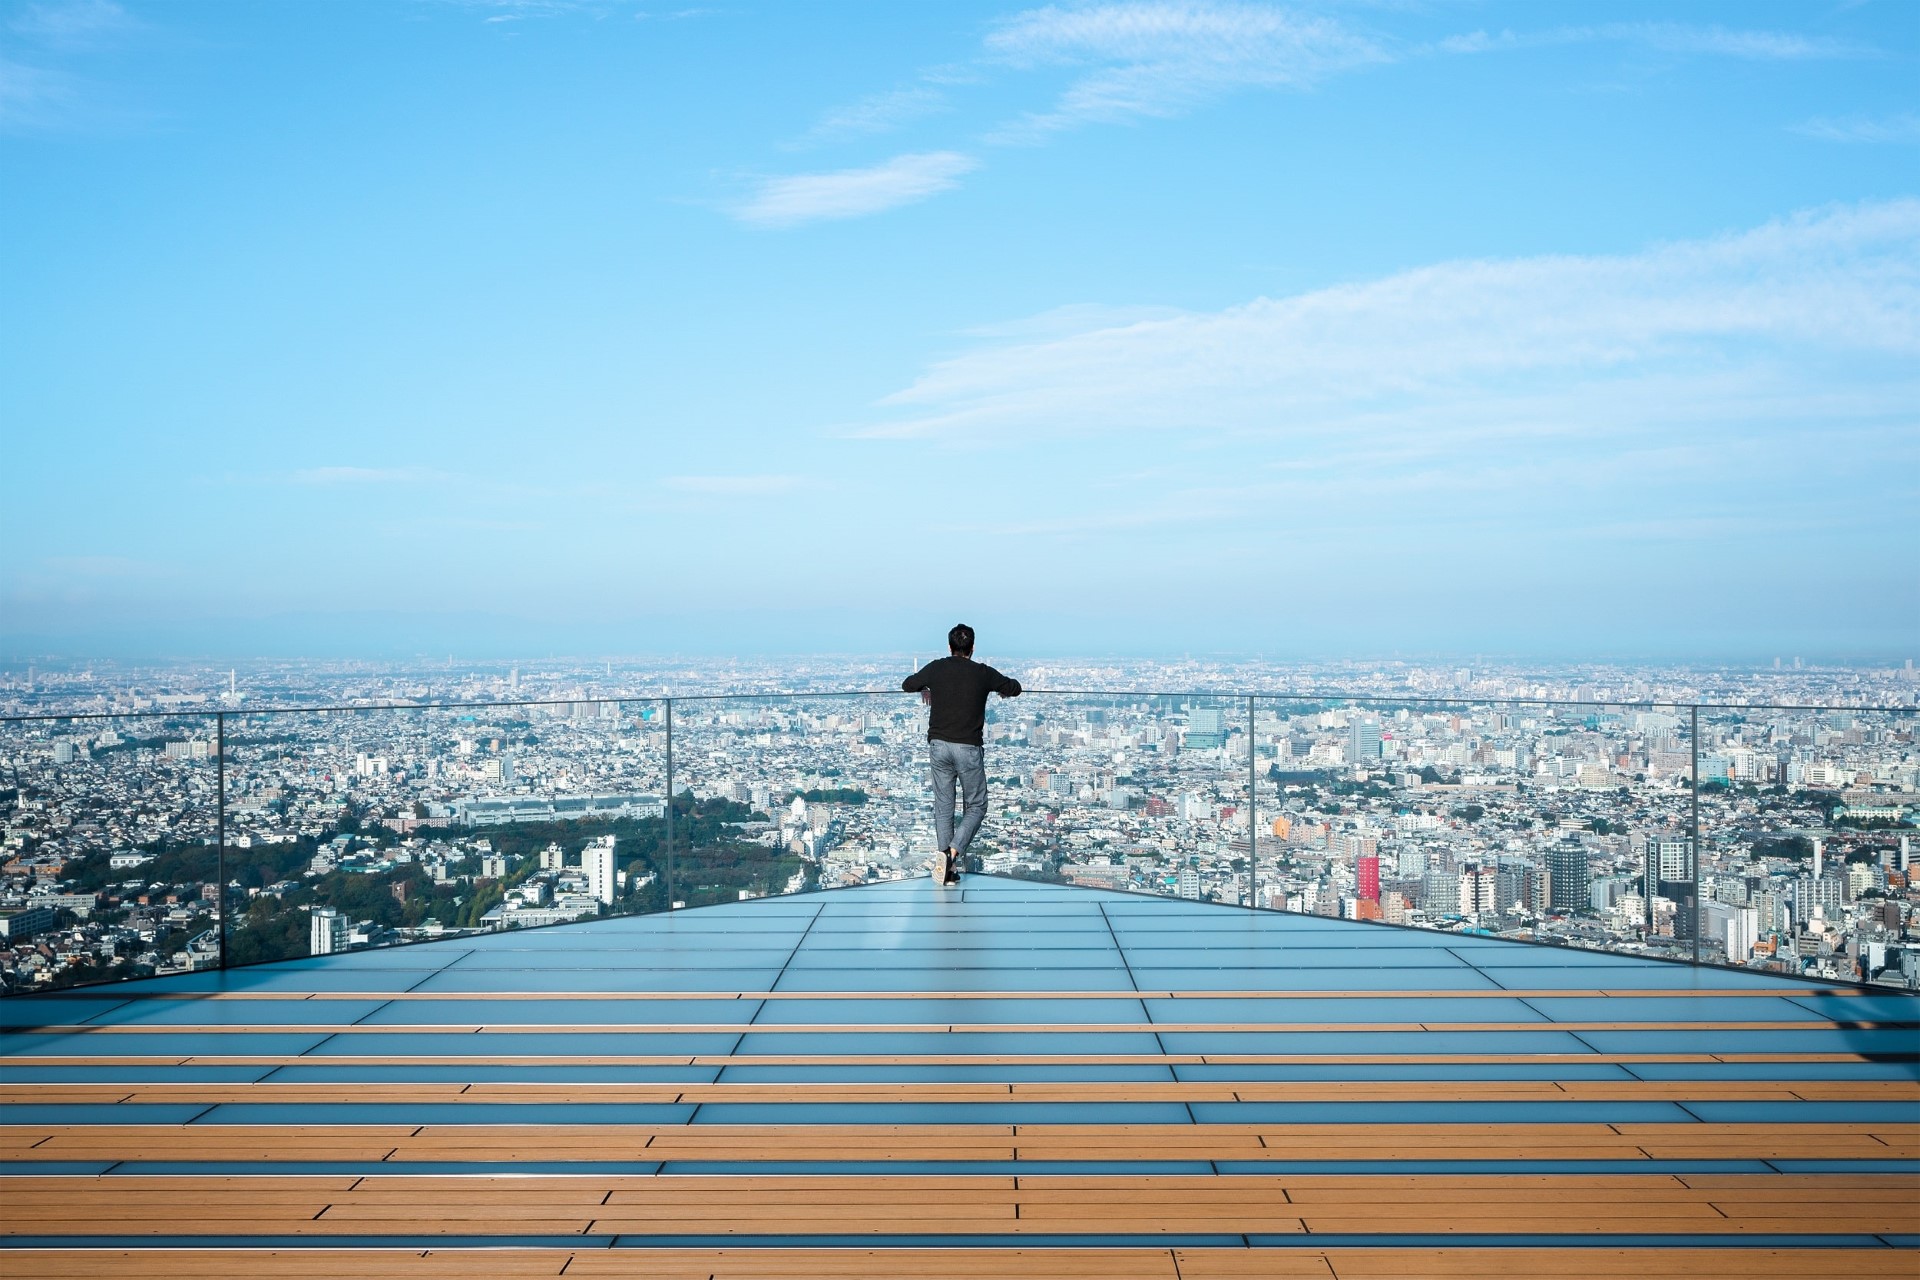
[967, 765]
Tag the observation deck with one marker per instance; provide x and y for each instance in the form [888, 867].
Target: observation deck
[1007, 1079]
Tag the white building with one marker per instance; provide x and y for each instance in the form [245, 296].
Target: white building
[328, 932]
[597, 861]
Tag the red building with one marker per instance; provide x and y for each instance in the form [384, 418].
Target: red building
[1369, 866]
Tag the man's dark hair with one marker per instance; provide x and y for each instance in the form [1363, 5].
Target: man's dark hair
[960, 640]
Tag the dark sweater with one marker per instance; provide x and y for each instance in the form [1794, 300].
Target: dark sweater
[959, 687]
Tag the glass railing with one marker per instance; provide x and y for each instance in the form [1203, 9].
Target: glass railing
[1574, 824]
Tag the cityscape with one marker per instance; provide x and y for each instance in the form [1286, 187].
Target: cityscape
[426, 801]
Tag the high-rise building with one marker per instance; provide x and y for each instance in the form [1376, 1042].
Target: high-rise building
[1363, 740]
[63, 753]
[597, 861]
[1188, 883]
[1827, 892]
[1368, 868]
[1206, 728]
[1479, 891]
[1735, 928]
[1569, 876]
[1668, 858]
[1669, 875]
[327, 931]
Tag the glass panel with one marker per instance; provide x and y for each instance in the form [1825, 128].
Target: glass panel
[780, 794]
[1808, 821]
[378, 826]
[1529, 820]
[1559, 822]
[1144, 793]
[109, 846]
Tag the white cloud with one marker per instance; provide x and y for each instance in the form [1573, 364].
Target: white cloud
[878, 113]
[1673, 37]
[1812, 319]
[853, 193]
[733, 486]
[1165, 57]
[1667, 37]
[1902, 128]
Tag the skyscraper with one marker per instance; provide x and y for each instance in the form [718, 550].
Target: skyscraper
[1669, 875]
[1363, 740]
[1569, 876]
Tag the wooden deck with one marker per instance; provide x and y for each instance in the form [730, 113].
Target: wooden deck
[976, 1084]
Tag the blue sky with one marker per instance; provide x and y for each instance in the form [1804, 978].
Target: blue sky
[1317, 329]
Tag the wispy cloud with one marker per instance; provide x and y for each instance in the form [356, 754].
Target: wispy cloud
[853, 193]
[1901, 128]
[733, 486]
[1131, 60]
[1814, 319]
[40, 90]
[877, 113]
[1666, 37]
[33, 97]
[1164, 58]
[73, 24]
[369, 475]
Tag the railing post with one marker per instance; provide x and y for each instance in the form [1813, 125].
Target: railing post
[1253, 814]
[220, 826]
[669, 811]
[1693, 833]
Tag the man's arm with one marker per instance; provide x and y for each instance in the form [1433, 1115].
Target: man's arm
[915, 683]
[1005, 686]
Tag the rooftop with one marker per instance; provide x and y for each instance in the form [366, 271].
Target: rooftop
[1009, 1079]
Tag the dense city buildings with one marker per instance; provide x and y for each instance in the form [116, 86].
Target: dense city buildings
[1552, 806]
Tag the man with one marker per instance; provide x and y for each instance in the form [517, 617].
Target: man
[956, 688]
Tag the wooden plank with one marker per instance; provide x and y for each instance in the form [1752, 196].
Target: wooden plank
[219, 1029]
[937, 1142]
[957, 1264]
[918, 1060]
[1563, 1264]
[1050, 1091]
[307, 1264]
